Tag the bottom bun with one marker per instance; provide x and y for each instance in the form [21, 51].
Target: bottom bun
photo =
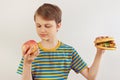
[105, 48]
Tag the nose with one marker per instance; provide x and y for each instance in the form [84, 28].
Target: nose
[42, 29]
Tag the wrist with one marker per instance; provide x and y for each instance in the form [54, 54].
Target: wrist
[100, 51]
[27, 63]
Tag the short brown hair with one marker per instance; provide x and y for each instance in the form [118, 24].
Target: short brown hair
[49, 12]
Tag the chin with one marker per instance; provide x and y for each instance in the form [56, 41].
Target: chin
[45, 39]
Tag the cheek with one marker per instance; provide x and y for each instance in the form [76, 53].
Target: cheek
[38, 31]
[53, 31]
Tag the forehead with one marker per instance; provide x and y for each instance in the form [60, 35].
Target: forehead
[40, 20]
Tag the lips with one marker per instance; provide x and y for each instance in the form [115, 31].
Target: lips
[43, 35]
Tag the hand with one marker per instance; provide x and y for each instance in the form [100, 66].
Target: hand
[29, 56]
[99, 38]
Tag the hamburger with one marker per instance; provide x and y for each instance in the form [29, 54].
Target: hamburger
[105, 43]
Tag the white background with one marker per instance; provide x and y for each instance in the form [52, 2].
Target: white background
[82, 22]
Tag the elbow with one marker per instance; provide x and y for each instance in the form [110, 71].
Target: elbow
[91, 76]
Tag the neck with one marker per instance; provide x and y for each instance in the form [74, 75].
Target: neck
[49, 43]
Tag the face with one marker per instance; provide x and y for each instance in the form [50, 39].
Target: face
[46, 29]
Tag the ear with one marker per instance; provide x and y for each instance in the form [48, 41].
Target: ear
[58, 26]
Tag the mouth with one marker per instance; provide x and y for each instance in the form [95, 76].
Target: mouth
[43, 35]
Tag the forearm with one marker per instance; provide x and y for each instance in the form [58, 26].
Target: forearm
[95, 66]
[26, 75]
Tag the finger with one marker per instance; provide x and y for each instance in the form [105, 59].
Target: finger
[36, 53]
[25, 49]
[106, 36]
[26, 56]
[102, 37]
[99, 37]
[30, 50]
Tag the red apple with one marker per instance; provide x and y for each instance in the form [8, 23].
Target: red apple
[30, 44]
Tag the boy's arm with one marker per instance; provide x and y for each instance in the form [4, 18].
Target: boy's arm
[27, 72]
[91, 73]
[27, 64]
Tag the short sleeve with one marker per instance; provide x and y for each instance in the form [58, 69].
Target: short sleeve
[20, 67]
[78, 64]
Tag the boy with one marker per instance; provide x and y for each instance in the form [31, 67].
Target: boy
[54, 59]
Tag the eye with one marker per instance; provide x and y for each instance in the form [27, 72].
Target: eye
[38, 26]
[48, 26]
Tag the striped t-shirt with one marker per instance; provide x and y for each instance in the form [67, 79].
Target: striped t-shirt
[56, 63]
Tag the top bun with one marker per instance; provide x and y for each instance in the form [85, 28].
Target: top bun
[104, 40]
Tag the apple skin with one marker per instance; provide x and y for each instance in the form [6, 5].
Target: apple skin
[30, 44]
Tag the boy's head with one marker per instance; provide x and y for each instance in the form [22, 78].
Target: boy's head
[49, 12]
[48, 21]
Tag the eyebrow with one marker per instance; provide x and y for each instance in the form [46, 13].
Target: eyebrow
[45, 24]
